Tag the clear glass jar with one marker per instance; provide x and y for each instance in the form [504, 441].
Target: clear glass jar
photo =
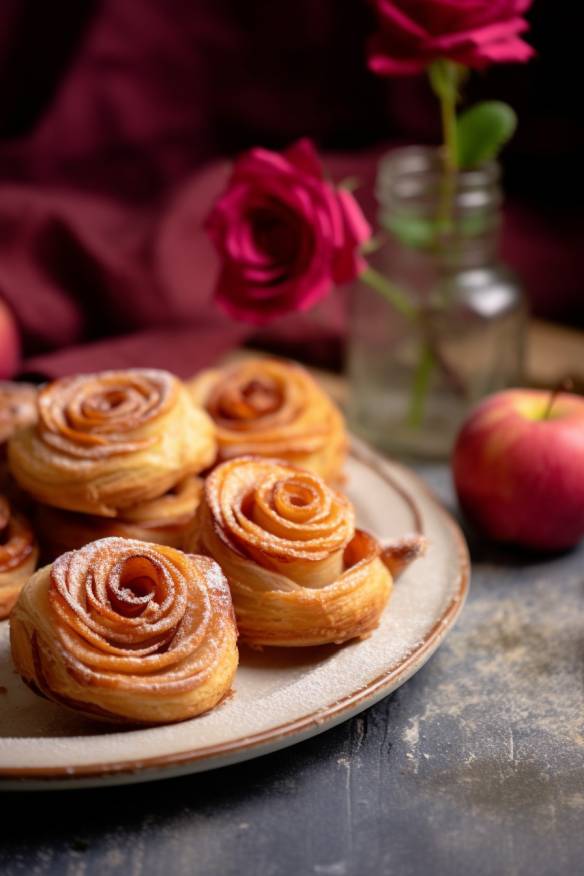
[413, 377]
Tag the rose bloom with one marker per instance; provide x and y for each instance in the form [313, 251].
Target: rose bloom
[284, 234]
[476, 33]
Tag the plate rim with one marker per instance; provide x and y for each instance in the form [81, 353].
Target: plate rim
[263, 742]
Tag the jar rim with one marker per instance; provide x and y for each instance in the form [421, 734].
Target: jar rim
[419, 158]
[410, 173]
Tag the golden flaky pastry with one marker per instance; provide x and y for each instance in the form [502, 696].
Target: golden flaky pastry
[273, 408]
[18, 555]
[17, 407]
[166, 520]
[299, 571]
[109, 441]
[127, 631]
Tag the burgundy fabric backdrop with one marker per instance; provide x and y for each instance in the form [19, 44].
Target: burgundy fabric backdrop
[115, 117]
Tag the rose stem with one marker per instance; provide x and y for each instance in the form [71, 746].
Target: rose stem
[445, 78]
[430, 352]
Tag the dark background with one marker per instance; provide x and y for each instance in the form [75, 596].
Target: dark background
[113, 111]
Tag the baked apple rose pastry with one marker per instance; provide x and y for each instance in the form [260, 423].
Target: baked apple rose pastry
[273, 408]
[299, 571]
[17, 407]
[109, 441]
[166, 520]
[127, 631]
[18, 555]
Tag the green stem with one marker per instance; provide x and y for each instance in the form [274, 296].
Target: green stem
[448, 115]
[446, 205]
[445, 77]
[420, 385]
[429, 356]
[392, 293]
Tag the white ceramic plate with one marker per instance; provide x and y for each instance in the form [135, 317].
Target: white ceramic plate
[281, 696]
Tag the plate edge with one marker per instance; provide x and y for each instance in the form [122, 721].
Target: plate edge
[245, 748]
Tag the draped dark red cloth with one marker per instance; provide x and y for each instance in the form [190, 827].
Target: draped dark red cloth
[95, 283]
[114, 119]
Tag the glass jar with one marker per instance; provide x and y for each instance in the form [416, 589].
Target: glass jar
[414, 371]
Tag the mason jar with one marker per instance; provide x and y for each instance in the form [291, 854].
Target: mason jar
[415, 371]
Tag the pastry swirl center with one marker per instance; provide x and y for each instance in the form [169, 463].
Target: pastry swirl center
[16, 537]
[296, 499]
[247, 399]
[4, 518]
[94, 416]
[137, 585]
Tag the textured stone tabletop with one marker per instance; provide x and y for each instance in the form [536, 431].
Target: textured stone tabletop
[475, 766]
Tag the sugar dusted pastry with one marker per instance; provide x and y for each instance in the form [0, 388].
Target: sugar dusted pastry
[109, 441]
[17, 407]
[18, 555]
[273, 408]
[166, 520]
[299, 571]
[127, 631]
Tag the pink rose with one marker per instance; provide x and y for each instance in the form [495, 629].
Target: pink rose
[284, 234]
[476, 33]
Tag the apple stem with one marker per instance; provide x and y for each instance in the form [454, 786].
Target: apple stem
[564, 385]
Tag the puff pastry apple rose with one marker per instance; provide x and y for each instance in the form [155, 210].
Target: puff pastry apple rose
[299, 571]
[18, 555]
[17, 407]
[127, 631]
[105, 442]
[166, 520]
[273, 408]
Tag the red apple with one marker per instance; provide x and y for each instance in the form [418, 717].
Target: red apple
[518, 468]
[9, 343]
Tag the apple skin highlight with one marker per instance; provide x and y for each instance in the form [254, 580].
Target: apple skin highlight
[9, 344]
[518, 469]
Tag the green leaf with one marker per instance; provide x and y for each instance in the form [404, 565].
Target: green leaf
[482, 131]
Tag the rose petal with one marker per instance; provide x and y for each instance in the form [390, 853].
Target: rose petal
[472, 33]
[304, 156]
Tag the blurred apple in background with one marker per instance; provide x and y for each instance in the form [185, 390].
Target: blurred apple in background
[518, 468]
[9, 343]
